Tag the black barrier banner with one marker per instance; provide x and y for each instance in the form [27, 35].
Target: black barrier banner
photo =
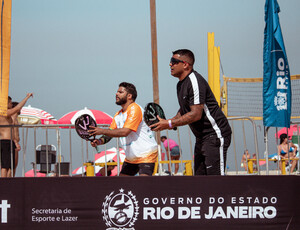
[121, 203]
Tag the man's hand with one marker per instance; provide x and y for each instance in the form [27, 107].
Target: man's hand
[18, 146]
[161, 125]
[94, 143]
[93, 131]
[29, 95]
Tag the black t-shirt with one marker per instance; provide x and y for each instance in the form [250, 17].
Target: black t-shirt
[194, 90]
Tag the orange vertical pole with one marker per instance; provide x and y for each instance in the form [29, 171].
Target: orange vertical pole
[5, 35]
[210, 58]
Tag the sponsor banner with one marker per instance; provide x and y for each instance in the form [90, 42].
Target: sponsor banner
[5, 31]
[277, 94]
[215, 202]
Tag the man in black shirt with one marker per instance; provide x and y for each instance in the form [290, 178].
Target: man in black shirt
[200, 110]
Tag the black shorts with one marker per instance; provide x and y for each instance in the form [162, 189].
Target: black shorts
[6, 153]
[210, 155]
[133, 169]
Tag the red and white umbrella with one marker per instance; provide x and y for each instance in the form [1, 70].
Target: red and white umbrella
[30, 173]
[292, 131]
[99, 116]
[79, 170]
[31, 115]
[111, 154]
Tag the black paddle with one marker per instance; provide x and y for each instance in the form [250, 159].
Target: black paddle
[82, 125]
[150, 114]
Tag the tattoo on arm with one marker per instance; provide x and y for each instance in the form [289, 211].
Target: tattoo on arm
[178, 115]
[194, 115]
[104, 139]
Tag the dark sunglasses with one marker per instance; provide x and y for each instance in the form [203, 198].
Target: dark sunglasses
[174, 61]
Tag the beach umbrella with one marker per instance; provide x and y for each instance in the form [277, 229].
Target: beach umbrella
[79, 170]
[30, 173]
[111, 154]
[99, 116]
[30, 115]
[291, 131]
[262, 162]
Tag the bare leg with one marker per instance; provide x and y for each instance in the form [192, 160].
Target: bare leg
[294, 163]
[176, 164]
[169, 167]
[3, 172]
[16, 161]
[9, 173]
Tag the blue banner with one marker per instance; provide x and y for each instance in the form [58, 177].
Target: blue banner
[277, 95]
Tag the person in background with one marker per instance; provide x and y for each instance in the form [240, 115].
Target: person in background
[244, 162]
[17, 136]
[175, 152]
[254, 156]
[287, 150]
[7, 136]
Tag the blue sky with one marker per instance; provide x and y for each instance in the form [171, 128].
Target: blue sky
[73, 54]
[82, 50]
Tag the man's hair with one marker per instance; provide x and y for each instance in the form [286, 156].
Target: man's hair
[187, 53]
[130, 88]
[14, 104]
[163, 137]
[9, 98]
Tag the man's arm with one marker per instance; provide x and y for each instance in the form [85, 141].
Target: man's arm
[194, 115]
[121, 132]
[16, 136]
[104, 139]
[108, 134]
[177, 115]
[19, 106]
[101, 141]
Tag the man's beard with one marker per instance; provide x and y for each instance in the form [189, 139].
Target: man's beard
[121, 101]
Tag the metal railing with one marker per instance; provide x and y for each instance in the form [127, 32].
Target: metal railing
[242, 118]
[46, 128]
[84, 151]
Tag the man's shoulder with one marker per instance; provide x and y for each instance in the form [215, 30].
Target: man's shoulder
[134, 107]
[197, 75]
[134, 104]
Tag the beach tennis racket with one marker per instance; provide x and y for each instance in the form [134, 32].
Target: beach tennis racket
[82, 126]
[150, 114]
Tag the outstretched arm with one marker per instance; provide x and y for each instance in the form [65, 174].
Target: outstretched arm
[121, 132]
[19, 106]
